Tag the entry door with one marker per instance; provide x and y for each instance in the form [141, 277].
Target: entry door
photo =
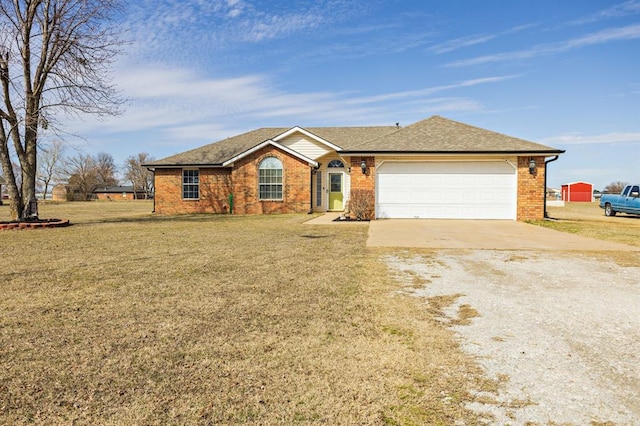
[336, 199]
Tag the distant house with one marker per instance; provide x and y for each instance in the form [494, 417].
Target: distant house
[554, 194]
[118, 193]
[577, 192]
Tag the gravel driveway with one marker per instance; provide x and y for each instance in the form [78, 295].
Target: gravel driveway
[561, 331]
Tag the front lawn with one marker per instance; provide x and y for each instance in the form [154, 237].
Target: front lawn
[588, 220]
[130, 318]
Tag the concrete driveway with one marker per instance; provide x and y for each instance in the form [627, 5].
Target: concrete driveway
[479, 234]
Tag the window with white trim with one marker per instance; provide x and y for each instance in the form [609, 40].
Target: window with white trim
[336, 164]
[190, 184]
[270, 179]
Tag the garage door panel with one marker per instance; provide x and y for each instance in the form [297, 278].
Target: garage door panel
[457, 190]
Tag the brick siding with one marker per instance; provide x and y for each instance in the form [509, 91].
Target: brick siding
[296, 189]
[531, 190]
[216, 184]
[363, 181]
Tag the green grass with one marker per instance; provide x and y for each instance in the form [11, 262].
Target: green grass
[130, 318]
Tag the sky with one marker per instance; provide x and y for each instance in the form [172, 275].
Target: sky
[561, 73]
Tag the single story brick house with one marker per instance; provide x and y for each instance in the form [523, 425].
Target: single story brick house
[118, 193]
[435, 168]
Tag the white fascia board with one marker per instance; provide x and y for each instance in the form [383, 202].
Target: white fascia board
[274, 144]
[308, 134]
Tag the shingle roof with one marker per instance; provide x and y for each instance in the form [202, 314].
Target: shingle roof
[114, 189]
[433, 135]
[441, 135]
[218, 152]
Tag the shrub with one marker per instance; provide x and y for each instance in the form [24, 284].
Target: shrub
[362, 204]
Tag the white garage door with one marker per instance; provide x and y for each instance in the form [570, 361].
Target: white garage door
[446, 190]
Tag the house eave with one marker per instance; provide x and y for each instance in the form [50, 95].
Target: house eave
[417, 153]
[182, 166]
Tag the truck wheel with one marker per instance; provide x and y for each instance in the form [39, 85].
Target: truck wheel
[608, 211]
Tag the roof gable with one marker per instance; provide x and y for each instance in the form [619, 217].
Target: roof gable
[218, 153]
[250, 151]
[308, 134]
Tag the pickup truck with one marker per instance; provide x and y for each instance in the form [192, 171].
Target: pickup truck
[627, 202]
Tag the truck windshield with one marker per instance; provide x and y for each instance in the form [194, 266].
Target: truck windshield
[626, 191]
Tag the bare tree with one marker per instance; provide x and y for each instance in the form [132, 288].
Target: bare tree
[615, 187]
[105, 169]
[50, 159]
[54, 56]
[139, 176]
[82, 176]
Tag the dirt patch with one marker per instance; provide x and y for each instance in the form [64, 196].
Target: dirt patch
[561, 333]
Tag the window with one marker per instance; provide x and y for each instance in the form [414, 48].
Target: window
[190, 184]
[319, 188]
[270, 179]
[336, 164]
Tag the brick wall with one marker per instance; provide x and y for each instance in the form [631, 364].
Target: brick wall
[531, 191]
[296, 192]
[359, 180]
[363, 181]
[242, 181]
[117, 196]
[215, 186]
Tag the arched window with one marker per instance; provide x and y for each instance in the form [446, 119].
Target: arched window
[336, 164]
[270, 179]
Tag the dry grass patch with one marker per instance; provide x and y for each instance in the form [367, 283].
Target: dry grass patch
[128, 318]
[588, 220]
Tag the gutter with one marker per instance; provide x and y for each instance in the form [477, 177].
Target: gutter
[311, 169]
[423, 153]
[546, 216]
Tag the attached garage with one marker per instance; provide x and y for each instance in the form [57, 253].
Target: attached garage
[446, 190]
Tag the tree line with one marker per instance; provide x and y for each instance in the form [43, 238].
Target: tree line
[82, 174]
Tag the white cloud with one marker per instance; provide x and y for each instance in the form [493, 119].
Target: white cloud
[622, 9]
[604, 36]
[182, 104]
[430, 90]
[606, 138]
[459, 43]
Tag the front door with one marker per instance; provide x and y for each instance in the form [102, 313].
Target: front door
[335, 192]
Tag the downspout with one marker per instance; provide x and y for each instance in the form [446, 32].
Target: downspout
[311, 170]
[546, 216]
[154, 188]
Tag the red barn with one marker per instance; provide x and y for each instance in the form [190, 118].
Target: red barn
[577, 191]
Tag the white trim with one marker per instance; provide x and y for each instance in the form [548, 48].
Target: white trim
[308, 134]
[452, 159]
[274, 144]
